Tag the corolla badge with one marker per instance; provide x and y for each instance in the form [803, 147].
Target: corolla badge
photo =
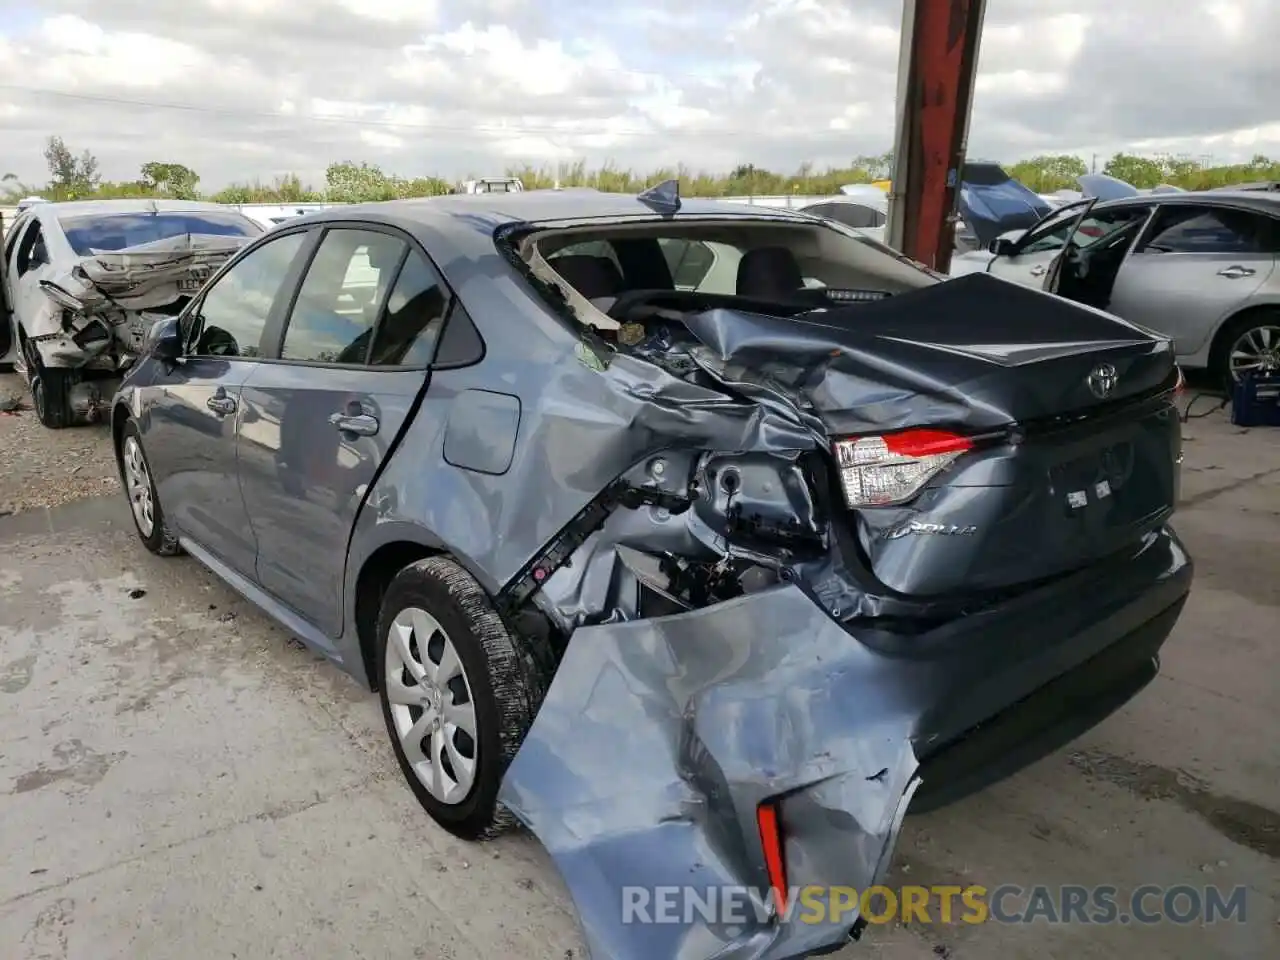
[928, 529]
[1102, 380]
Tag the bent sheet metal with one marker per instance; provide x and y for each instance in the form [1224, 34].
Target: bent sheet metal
[658, 740]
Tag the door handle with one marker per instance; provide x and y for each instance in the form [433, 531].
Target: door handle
[361, 424]
[221, 405]
[1038, 270]
[1235, 272]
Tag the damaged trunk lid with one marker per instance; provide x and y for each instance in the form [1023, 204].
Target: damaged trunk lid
[118, 294]
[981, 435]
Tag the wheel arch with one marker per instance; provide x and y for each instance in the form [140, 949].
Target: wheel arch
[1217, 342]
[371, 582]
[119, 417]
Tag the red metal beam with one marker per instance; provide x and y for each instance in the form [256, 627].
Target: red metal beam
[938, 63]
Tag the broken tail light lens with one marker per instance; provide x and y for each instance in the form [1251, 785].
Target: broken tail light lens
[892, 468]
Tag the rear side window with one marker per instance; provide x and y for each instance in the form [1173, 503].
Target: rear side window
[1179, 229]
[33, 238]
[689, 260]
[118, 231]
[589, 248]
[11, 238]
[340, 298]
[850, 214]
[413, 317]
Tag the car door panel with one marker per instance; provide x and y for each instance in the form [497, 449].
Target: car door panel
[321, 417]
[190, 439]
[196, 412]
[1183, 280]
[310, 445]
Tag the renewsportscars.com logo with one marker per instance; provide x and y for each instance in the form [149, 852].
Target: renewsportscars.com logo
[941, 903]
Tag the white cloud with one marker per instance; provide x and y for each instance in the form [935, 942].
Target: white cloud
[252, 89]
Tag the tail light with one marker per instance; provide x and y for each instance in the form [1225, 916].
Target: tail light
[889, 469]
[774, 857]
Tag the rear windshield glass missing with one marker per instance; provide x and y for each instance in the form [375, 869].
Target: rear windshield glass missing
[117, 231]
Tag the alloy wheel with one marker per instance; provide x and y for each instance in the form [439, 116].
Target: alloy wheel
[431, 705]
[138, 481]
[1256, 350]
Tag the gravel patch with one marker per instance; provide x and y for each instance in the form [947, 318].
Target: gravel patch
[43, 467]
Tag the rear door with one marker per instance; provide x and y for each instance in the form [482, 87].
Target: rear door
[190, 428]
[322, 411]
[1194, 266]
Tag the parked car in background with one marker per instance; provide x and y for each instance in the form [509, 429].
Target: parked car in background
[1198, 267]
[705, 575]
[84, 282]
[866, 211]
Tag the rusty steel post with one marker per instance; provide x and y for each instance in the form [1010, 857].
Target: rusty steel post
[936, 69]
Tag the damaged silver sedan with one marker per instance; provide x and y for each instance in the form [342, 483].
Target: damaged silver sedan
[703, 540]
[84, 282]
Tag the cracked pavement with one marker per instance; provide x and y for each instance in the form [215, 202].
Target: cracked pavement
[179, 778]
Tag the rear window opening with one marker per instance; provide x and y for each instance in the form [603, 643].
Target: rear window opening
[105, 233]
[617, 274]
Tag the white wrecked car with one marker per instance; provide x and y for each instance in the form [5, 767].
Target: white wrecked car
[84, 282]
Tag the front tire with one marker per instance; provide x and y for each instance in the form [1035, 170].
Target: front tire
[456, 693]
[140, 487]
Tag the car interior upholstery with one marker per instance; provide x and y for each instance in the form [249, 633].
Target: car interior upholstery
[781, 267]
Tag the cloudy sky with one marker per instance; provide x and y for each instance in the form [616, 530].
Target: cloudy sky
[245, 89]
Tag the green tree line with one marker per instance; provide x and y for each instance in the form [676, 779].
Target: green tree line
[75, 176]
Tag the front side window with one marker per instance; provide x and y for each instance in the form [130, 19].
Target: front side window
[1185, 229]
[1052, 236]
[338, 303]
[233, 313]
[103, 233]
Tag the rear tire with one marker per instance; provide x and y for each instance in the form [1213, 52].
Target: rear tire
[452, 663]
[50, 389]
[51, 397]
[1253, 328]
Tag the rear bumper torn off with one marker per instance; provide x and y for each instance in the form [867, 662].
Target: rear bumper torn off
[659, 739]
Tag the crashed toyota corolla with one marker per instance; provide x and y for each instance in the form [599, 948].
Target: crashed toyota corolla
[86, 280]
[703, 540]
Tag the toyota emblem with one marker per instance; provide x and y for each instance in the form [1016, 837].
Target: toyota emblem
[1102, 380]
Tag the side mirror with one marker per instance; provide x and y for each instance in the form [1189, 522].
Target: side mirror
[1002, 247]
[164, 342]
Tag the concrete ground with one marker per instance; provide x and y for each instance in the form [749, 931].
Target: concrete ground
[179, 778]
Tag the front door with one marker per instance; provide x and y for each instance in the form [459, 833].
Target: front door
[1193, 267]
[322, 414]
[1034, 253]
[190, 430]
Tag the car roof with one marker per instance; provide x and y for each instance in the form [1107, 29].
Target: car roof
[1261, 202]
[81, 208]
[486, 212]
